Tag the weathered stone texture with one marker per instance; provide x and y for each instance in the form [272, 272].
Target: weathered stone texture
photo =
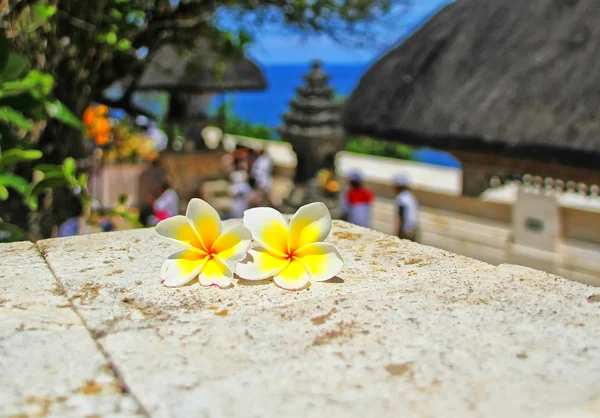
[405, 330]
[49, 364]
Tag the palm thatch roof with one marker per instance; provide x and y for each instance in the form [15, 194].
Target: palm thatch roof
[520, 78]
[174, 71]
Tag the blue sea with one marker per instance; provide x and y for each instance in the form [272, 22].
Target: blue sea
[267, 107]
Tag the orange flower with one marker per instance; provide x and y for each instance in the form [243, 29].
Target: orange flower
[89, 116]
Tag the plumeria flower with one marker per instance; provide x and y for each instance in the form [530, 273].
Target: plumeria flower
[205, 249]
[292, 254]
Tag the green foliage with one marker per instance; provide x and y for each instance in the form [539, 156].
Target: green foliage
[235, 125]
[380, 148]
[25, 100]
[82, 47]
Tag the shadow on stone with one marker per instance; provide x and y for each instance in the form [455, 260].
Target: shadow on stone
[244, 282]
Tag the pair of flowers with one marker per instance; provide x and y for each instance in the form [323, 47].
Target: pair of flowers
[293, 254]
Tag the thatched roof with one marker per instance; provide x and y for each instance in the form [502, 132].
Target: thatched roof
[516, 77]
[177, 72]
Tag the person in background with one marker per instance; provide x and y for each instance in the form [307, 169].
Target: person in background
[145, 215]
[239, 190]
[167, 204]
[257, 196]
[150, 182]
[357, 202]
[71, 226]
[407, 209]
[262, 170]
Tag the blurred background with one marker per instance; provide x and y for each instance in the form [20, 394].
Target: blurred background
[466, 125]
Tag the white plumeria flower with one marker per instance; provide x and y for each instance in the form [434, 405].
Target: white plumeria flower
[205, 249]
[292, 254]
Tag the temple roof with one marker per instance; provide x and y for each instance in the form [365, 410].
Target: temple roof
[196, 72]
[495, 76]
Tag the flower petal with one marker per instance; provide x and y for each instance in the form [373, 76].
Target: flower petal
[178, 230]
[323, 260]
[264, 265]
[233, 243]
[181, 268]
[294, 277]
[310, 224]
[268, 228]
[205, 220]
[216, 272]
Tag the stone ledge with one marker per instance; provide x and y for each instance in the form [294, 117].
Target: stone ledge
[405, 330]
[49, 365]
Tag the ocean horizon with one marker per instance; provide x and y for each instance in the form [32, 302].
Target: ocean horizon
[267, 107]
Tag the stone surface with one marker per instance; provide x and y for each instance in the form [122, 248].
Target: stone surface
[405, 330]
[49, 364]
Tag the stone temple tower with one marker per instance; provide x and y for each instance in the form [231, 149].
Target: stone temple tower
[312, 126]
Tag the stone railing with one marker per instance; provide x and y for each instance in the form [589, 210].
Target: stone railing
[404, 330]
[486, 230]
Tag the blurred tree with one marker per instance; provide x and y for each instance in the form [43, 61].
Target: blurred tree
[87, 45]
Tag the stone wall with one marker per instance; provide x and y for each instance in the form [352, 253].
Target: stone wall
[477, 228]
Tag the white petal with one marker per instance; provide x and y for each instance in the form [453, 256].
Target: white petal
[180, 232]
[205, 220]
[216, 272]
[323, 260]
[294, 277]
[233, 244]
[181, 268]
[310, 224]
[261, 265]
[268, 228]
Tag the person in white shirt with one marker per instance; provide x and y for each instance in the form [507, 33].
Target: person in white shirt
[407, 209]
[262, 170]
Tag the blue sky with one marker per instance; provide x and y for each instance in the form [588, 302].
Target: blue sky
[277, 47]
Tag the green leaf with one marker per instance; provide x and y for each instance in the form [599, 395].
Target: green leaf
[25, 104]
[10, 115]
[13, 157]
[60, 112]
[3, 193]
[14, 182]
[124, 45]
[47, 168]
[50, 181]
[69, 168]
[82, 180]
[3, 49]
[115, 14]
[36, 83]
[15, 68]
[123, 199]
[111, 38]
[43, 12]
[11, 233]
